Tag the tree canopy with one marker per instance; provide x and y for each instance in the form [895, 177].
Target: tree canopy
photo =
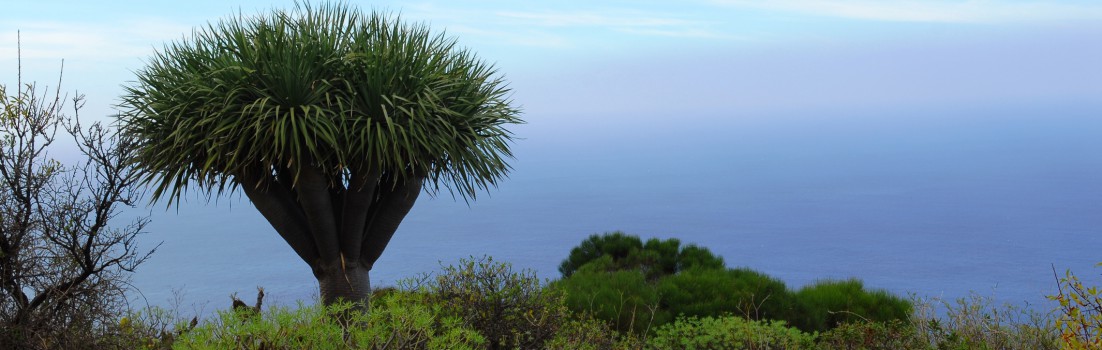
[657, 258]
[354, 96]
[331, 120]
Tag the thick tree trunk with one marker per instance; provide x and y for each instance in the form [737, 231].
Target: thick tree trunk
[339, 232]
[348, 283]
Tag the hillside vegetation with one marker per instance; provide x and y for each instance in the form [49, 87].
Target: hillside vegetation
[619, 292]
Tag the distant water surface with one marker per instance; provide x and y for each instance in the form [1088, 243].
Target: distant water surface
[936, 203]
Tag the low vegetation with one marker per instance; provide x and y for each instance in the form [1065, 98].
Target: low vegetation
[643, 297]
[480, 303]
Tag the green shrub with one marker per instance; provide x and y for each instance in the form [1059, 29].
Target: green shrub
[728, 332]
[622, 298]
[890, 335]
[405, 321]
[655, 259]
[617, 245]
[586, 333]
[714, 292]
[696, 257]
[394, 322]
[511, 309]
[827, 304]
[1080, 313]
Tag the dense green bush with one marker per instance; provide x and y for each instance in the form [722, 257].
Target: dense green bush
[622, 298]
[511, 309]
[829, 303]
[655, 258]
[728, 333]
[715, 292]
[617, 246]
[636, 285]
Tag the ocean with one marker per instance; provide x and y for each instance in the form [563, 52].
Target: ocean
[931, 202]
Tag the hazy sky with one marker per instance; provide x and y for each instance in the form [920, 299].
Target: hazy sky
[611, 71]
[570, 61]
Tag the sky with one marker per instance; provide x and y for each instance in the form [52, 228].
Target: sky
[627, 70]
[569, 61]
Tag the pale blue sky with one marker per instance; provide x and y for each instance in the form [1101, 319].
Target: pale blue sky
[627, 57]
[634, 79]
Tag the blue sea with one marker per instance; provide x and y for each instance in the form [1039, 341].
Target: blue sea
[932, 202]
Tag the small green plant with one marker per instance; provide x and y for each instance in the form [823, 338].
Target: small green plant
[511, 309]
[1080, 313]
[829, 303]
[728, 333]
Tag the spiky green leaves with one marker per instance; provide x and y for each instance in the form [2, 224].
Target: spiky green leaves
[254, 99]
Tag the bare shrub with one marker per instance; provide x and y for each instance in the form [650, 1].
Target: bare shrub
[977, 323]
[511, 309]
[63, 267]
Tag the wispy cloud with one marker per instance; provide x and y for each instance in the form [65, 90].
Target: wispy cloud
[631, 22]
[88, 41]
[525, 38]
[969, 11]
[557, 27]
[592, 19]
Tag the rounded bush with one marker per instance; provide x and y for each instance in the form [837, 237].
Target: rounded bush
[742, 292]
[656, 258]
[617, 245]
[827, 304]
[622, 298]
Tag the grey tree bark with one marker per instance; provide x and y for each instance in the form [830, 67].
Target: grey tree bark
[339, 228]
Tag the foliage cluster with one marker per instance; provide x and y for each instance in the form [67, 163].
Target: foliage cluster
[1080, 319]
[396, 321]
[739, 291]
[826, 304]
[511, 309]
[636, 287]
[622, 298]
[433, 312]
[656, 258]
[254, 99]
[728, 333]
